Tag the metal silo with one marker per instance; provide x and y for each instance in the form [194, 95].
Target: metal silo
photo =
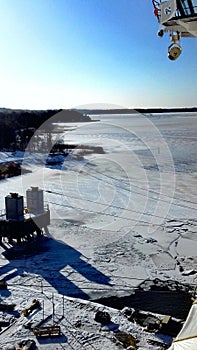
[35, 200]
[14, 205]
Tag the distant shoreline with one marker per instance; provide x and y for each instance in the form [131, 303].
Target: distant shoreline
[138, 110]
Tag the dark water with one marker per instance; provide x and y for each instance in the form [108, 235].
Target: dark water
[173, 303]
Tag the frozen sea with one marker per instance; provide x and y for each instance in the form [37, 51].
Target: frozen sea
[147, 173]
[118, 219]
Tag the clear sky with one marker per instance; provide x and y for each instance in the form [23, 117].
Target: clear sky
[66, 53]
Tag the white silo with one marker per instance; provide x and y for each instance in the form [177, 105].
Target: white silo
[35, 200]
[14, 206]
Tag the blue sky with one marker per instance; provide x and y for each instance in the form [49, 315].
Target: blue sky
[66, 53]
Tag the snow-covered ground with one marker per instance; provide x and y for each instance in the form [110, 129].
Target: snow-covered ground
[117, 219]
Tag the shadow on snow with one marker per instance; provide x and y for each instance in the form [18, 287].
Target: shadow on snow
[47, 258]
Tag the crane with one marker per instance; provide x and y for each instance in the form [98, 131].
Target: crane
[179, 18]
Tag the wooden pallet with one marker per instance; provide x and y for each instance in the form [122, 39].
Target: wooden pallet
[49, 331]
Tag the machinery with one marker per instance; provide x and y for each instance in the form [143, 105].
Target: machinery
[179, 18]
[28, 344]
[19, 223]
[35, 305]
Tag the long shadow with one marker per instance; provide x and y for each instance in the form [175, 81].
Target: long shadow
[47, 257]
[62, 339]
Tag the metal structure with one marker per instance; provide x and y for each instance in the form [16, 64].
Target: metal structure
[14, 207]
[179, 18]
[18, 223]
[35, 200]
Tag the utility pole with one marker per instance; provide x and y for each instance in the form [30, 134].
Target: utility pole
[43, 310]
[63, 307]
[41, 286]
[53, 308]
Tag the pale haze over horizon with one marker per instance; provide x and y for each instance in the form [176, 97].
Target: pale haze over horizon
[68, 53]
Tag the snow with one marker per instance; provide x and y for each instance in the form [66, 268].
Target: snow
[117, 219]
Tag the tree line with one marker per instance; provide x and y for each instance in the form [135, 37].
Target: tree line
[12, 121]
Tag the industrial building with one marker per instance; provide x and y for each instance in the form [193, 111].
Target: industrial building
[19, 223]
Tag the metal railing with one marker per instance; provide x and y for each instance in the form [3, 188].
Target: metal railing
[2, 214]
[27, 214]
[185, 8]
